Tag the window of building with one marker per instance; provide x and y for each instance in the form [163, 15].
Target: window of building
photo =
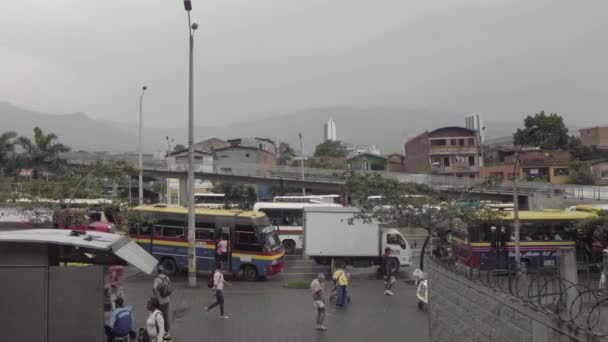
[604, 174]
[561, 171]
[446, 161]
[471, 160]
[438, 142]
[454, 142]
[460, 142]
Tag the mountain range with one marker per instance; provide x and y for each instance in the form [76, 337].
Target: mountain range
[387, 128]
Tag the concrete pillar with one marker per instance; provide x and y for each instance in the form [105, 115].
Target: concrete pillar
[568, 272]
[183, 191]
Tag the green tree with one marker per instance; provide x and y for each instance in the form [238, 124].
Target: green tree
[580, 173]
[583, 152]
[330, 149]
[7, 148]
[550, 132]
[179, 147]
[42, 151]
[241, 196]
[286, 153]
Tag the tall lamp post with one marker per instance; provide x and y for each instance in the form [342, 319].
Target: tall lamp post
[516, 222]
[302, 163]
[191, 240]
[141, 166]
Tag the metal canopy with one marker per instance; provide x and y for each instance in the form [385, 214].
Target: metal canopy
[118, 245]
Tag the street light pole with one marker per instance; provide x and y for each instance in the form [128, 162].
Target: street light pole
[191, 214]
[141, 167]
[302, 164]
[516, 222]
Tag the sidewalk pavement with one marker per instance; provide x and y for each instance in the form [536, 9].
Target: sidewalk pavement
[266, 311]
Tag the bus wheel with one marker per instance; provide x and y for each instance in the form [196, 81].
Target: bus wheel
[249, 273]
[393, 263]
[290, 246]
[169, 265]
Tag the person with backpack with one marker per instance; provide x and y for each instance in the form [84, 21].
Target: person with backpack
[155, 324]
[162, 289]
[217, 282]
[121, 322]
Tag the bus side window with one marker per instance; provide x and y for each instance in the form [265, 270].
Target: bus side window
[203, 234]
[274, 215]
[173, 232]
[246, 239]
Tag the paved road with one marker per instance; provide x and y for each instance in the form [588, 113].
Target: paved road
[265, 311]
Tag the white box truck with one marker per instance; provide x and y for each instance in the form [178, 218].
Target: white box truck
[332, 234]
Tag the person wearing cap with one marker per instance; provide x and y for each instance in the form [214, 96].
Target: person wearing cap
[121, 322]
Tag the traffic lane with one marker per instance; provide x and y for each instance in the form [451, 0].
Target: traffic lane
[265, 311]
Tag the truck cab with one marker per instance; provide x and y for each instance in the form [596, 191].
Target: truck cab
[400, 247]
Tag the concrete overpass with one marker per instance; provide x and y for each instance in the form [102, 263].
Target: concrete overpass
[533, 194]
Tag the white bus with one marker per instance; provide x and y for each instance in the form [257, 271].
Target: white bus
[332, 199]
[287, 218]
[209, 200]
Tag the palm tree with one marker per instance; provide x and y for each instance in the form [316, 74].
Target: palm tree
[42, 151]
[7, 145]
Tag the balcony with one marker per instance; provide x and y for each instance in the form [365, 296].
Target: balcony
[447, 150]
[455, 169]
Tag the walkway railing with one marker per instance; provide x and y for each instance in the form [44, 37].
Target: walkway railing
[338, 176]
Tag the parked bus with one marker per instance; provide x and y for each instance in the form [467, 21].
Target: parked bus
[287, 219]
[254, 249]
[490, 244]
[209, 200]
[335, 199]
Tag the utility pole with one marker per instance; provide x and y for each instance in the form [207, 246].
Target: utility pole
[191, 214]
[141, 163]
[302, 164]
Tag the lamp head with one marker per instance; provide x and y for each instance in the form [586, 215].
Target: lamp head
[144, 88]
[194, 26]
[188, 5]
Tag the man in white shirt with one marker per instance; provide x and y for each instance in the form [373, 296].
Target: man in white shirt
[318, 300]
[218, 289]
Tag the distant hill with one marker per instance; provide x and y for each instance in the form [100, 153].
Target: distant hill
[384, 127]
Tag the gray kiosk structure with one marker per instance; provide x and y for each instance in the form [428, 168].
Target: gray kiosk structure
[41, 300]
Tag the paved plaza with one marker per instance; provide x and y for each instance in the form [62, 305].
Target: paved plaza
[266, 311]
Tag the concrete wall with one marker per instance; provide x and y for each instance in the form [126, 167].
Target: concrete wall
[463, 311]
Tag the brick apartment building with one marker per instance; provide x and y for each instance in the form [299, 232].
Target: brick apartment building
[448, 150]
[595, 136]
[535, 165]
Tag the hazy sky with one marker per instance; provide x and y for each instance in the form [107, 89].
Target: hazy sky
[259, 58]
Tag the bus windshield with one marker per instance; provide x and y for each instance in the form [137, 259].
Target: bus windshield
[267, 234]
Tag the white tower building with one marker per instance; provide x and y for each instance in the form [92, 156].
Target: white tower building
[329, 130]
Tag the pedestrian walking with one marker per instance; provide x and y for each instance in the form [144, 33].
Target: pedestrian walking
[116, 290]
[218, 289]
[387, 272]
[318, 300]
[155, 324]
[222, 249]
[162, 289]
[340, 279]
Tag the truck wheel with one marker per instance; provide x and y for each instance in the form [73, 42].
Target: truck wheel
[169, 266]
[393, 263]
[249, 273]
[290, 246]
